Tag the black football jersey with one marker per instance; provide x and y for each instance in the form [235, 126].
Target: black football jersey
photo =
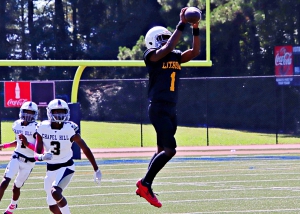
[163, 76]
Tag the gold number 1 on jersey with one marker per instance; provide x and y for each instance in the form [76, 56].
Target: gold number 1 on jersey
[172, 87]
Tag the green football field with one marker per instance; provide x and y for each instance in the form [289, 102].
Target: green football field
[206, 185]
[121, 135]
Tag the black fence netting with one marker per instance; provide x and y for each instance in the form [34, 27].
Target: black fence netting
[255, 104]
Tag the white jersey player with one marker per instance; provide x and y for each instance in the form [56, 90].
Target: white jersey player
[56, 135]
[58, 141]
[22, 161]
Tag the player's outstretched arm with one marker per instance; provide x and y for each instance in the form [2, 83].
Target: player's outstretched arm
[195, 51]
[24, 141]
[8, 145]
[39, 149]
[88, 153]
[172, 41]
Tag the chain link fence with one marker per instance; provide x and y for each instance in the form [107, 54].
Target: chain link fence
[256, 104]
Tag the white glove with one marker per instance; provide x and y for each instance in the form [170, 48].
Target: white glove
[46, 156]
[97, 176]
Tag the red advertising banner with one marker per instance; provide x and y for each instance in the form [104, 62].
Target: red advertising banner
[16, 93]
[284, 60]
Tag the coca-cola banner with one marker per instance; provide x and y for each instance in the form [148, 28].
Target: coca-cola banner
[284, 60]
[284, 69]
[16, 93]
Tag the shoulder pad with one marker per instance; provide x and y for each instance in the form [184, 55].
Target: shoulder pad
[73, 125]
[43, 123]
[148, 51]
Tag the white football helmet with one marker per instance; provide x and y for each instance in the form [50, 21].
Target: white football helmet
[58, 117]
[30, 106]
[157, 37]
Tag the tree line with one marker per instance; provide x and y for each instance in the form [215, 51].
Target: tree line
[243, 34]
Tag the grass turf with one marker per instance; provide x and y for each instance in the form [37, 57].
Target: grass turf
[206, 185]
[118, 135]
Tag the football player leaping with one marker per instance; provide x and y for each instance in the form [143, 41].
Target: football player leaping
[163, 63]
[22, 160]
[56, 135]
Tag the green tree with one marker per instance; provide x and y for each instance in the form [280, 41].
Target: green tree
[136, 53]
[243, 33]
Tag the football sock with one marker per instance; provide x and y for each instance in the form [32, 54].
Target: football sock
[65, 209]
[152, 160]
[12, 206]
[13, 202]
[157, 164]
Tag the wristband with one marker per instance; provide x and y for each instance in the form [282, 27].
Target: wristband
[38, 157]
[196, 32]
[180, 26]
[7, 145]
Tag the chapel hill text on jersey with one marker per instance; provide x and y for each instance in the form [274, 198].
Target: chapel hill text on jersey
[55, 137]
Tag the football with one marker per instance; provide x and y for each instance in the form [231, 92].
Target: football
[192, 15]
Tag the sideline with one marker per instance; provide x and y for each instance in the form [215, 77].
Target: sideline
[199, 151]
[268, 149]
[140, 160]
